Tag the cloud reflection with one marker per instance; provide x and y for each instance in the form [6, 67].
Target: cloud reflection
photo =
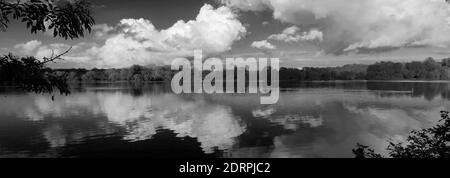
[214, 126]
[319, 122]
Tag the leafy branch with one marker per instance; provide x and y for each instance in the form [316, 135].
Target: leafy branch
[67, 19]
[426, 143]
[53, 57]
[31, 75]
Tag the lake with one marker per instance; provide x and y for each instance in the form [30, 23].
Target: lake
[311, 119]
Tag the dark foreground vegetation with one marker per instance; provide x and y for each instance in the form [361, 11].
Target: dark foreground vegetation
[65, 19]
[31, 75]
[427, 143]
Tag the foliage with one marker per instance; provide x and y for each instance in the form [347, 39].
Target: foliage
[385, 71]
[347, 72]
[427, 143]
[31, 74]
[378, 71]
[66, 19]
[429, 69]
[133, 74]
[362, 151]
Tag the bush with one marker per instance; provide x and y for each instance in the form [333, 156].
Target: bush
[31, 74]
[426, 143]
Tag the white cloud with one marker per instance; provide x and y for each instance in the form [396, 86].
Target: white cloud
[312, 35]
[138, 41]
[28, 48]
[264, 44]
[102, 30]
[51, 49]
[247, 5]
[292, 34]
[289, 35]
[363, 24]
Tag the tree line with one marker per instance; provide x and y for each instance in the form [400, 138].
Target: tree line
[134, 73]
[429, 69]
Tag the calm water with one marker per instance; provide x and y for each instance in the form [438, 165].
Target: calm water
[311, 120]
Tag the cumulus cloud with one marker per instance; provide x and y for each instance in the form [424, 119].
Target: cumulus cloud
[138, 41]
[350, 25]
[293, 34]
[247, 5]
[29, 47]
[264, 44]
[102, 30]
[51, 49]
[312, 35]
[289, 35]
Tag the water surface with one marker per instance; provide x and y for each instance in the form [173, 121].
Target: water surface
[315, 119]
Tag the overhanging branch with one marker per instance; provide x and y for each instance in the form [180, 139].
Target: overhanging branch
[53, 58]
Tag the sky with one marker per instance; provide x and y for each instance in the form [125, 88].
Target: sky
[301, 33]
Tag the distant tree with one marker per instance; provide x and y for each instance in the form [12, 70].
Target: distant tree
[137, 78]
[124, 74]
[166, 73]
[351, 72]
[385, 71]
[347, 75]
[444, 73]
[446, 62]
[67, 19]
[378, 71]
[89, 77]
[113, 74]
[94, 76]
[415, 70]
[134, 70]
[73, 77]
[433, 69]
[147, 75]
[427, 143]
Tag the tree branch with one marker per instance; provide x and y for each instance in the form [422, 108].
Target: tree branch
[53, 58]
